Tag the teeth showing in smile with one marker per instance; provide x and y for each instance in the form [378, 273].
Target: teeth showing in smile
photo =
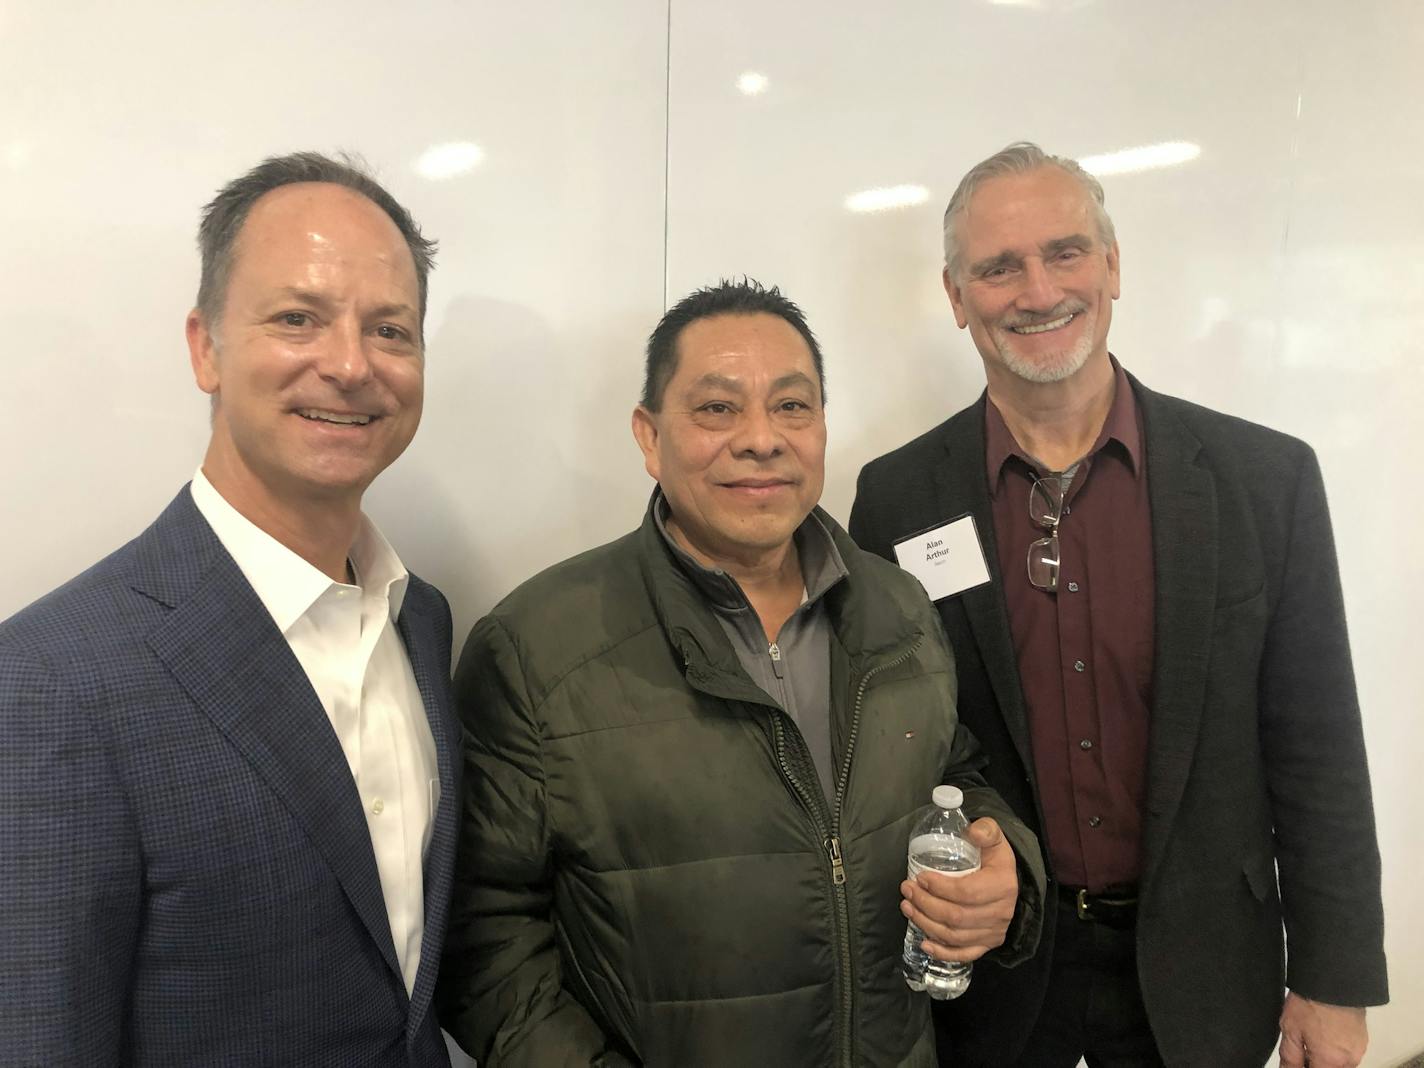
[1043, 328]
[344, 418]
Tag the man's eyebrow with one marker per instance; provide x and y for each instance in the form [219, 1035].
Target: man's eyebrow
[712, 380]
[1058, 244]
[303, 296]
[391, 310]
[795, 378]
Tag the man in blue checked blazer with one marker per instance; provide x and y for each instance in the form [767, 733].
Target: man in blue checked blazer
[228, 770]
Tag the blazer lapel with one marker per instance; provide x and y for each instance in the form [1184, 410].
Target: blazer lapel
[1184, 536]
[221, 645]
[420, 640]
[961, 484]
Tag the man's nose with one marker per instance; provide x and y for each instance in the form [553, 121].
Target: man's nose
[344, 360]
[1040, 291]
[757, 433]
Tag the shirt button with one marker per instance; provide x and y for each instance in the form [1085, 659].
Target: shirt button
[1072, 587]
[377, 807]
[1086, 743]
[1078, 665]
[1093, 821]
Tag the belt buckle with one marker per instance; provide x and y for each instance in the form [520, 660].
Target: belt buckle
[1082, 903]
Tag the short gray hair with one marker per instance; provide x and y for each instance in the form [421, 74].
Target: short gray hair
[226, 213]
[1018, 158]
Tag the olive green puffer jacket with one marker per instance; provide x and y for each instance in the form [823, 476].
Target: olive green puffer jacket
[649, 870]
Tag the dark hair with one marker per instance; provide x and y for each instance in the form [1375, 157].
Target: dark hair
[224, 216]
[747, 297]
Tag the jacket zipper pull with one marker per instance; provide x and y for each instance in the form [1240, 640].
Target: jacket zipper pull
[838, 875]
[774, 651]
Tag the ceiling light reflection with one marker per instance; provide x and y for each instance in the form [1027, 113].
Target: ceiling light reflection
[1141, 158]
[439, 162]
[751, 83]
[17, 155]
[887, 197]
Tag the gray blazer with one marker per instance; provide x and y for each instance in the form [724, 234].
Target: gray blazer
[185, 868]
[1258, 828]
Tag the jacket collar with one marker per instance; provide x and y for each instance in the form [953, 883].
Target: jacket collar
[961, 484]
[870, 624]
[224, 649]
[820, 559]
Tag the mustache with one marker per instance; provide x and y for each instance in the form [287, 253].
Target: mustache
[1067, 307]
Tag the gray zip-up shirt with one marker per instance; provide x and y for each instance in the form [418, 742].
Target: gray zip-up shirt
[795, 669]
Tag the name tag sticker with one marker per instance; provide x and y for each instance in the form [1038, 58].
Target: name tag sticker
[947, 560]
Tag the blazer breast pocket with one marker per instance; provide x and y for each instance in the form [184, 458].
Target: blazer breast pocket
[1260, 872]
[1232, 599]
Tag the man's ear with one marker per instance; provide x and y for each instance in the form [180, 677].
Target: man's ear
[951, 288]
[1115, 270]
[645, 433]
[202, 352]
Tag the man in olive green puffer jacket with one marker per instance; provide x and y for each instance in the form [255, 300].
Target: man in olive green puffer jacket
[695, 755]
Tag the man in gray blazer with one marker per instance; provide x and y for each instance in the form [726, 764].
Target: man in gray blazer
[228, 768]
[1144, 603]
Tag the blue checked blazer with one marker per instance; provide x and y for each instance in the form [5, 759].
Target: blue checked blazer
[186, 876]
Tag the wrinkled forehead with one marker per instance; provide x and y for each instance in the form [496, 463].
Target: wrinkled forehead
[1040, 205]
[754, 350]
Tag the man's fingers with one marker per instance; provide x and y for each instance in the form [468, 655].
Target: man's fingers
[1321, 1035]
[964, 940]
[954, 954]
[1292, 1052]
[957, 888]
[985, 832]
[975, 889]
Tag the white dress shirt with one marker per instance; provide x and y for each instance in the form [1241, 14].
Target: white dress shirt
[345, 638]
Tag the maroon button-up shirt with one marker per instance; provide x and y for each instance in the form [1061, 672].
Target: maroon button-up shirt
[1084, 653]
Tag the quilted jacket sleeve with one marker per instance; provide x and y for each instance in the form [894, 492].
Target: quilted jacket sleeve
[501, 990]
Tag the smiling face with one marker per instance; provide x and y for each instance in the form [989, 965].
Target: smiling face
[316, 366]
[1037, 283]
[739, 444]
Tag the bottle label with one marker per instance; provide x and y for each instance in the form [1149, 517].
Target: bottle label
[947, 854]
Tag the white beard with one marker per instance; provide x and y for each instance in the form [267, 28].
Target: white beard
[1047, 367]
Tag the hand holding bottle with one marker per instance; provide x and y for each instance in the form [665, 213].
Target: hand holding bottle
[965, 916]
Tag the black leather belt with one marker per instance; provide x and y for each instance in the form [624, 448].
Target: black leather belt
[1115, 907]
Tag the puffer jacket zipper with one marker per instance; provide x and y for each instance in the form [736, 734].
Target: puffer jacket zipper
[846, 1027]
[814, 804]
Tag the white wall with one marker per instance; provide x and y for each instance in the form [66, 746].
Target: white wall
[1275, 276]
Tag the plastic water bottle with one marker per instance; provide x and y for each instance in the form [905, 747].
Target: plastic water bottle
[939, 842]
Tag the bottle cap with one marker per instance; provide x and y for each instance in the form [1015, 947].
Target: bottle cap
[948, 796]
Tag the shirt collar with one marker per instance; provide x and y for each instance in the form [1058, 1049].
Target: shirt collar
[1122, 425]
[821, 563]
[286, 584]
